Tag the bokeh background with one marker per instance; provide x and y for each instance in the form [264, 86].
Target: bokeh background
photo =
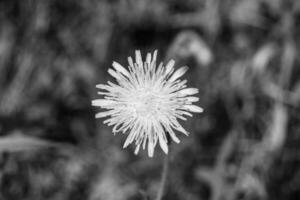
[243, 55]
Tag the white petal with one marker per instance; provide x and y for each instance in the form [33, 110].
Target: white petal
[178, 73]
[169, 66]
[164, 146]
[154, 58]
[150, 148]
[182, 130]
[162, 142]
[187, 91]
[103, 93]
[114, 74]
[181, 112]
[103, 102]
[193, 108]
[192, 99]
[120, 68]
[176, 125]
[174, 137]
[148, 58]
[172, 134]
[138, 58]
[131, 136]
[129, 139]
[106, 113]
[136, 151]
[102, 86]
[130, 61]
[166, 124]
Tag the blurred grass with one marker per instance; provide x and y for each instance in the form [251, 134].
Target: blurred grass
[242, 55]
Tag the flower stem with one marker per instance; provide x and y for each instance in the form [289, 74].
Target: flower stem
[164, 176]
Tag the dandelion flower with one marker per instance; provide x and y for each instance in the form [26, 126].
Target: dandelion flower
[146, 102]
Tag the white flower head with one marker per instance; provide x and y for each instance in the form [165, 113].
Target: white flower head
[146, 102]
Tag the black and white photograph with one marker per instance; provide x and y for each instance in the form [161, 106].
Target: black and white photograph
[149, 100]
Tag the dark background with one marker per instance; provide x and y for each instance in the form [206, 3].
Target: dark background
[243, 55]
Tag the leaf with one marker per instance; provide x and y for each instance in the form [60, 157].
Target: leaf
[14, 143]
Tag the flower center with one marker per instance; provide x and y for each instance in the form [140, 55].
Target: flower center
[146, 104]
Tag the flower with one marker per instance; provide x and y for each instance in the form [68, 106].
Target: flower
[147, 102]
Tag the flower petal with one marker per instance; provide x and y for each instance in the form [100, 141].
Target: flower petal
[120, 68]
[170, 66]
[148, 58]
[138, 58]
[114, 74]
[154, 59]
[178, 73]
[187, 91]
[102, 86]
[130, 61]
[136, 151]
[150, 148]
[106, 113]
[193, 108]
[192, 99]
[103, 102]
[163, 144]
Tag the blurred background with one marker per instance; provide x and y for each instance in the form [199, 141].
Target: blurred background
[242, 55]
